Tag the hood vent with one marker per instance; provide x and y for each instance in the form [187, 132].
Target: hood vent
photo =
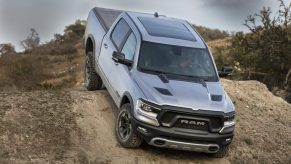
[216, 97]
[164, 91]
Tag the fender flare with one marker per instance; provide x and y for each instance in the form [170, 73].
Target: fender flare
[127, 94]
[90, 36]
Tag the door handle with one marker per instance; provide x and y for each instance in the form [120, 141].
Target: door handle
[105, 45]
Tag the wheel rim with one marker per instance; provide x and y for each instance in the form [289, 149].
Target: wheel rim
[124, 126]
[87, 71]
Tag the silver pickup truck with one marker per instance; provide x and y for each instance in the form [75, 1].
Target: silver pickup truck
[162, 76]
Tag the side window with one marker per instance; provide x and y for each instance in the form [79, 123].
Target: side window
[119, 33]
[129, 47]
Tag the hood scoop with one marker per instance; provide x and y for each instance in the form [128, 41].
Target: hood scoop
[216, 98]
[164, 91]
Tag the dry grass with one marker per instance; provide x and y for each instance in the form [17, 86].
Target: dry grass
[39, 68]
[21, 71]
[220, 42]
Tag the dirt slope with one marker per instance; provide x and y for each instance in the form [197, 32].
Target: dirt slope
[76, 126]
[263, 130]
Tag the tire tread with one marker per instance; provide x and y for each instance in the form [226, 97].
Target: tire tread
[134, 141]
[95, 82]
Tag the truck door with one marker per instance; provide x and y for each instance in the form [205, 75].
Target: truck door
[120, 72]
[113, 41]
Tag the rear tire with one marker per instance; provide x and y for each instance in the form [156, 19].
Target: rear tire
[222, 152]
[125, 134]
[91, 78]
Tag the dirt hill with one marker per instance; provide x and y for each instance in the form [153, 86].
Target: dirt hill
[46, 116]
[76, 126]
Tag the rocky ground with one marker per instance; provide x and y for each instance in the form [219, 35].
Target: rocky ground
[76, 126]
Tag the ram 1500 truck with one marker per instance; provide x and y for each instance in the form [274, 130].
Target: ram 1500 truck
[162, 76]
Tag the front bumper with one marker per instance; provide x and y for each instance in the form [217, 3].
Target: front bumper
[182, 145]
[185, 139]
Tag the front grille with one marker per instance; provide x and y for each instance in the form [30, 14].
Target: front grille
[190, 121]
[192, 124]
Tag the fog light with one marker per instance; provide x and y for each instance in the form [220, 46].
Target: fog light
[213, 148]
[159, 142]
[143, 130]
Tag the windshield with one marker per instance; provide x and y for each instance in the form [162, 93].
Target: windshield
[177, 60]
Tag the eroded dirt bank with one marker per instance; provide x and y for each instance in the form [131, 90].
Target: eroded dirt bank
[77, 127]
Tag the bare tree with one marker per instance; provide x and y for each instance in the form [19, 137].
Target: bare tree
[31, 41]
[6, 48]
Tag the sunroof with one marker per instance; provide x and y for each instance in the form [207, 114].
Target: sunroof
[166, 28]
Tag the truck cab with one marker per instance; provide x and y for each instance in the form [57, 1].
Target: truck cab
[162, 76]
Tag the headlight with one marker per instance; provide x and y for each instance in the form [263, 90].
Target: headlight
[228, 125]
[147, 113]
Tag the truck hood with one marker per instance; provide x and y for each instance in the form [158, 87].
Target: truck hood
[184, 94]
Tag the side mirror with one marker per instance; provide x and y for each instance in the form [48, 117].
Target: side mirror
[225, 71]
[120, 58]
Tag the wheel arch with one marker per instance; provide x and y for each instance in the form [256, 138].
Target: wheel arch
[90, 44]
[127, 98]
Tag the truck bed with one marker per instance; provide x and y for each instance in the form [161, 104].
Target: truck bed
[106, 16]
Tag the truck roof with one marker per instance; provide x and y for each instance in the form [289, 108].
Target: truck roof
[154, 28]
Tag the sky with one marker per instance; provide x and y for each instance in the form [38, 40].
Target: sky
[51, 16]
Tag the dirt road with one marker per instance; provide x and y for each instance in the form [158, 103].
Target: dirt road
[76, 126]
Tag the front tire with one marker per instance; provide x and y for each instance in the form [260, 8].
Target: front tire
[125, 134]
[91, 78]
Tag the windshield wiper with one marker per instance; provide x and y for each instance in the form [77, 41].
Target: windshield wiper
[163, 76]
[160, 74]
[152, 70]
[200, 80]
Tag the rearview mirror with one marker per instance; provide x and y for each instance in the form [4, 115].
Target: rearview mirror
[120, 58]
[225, 71]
